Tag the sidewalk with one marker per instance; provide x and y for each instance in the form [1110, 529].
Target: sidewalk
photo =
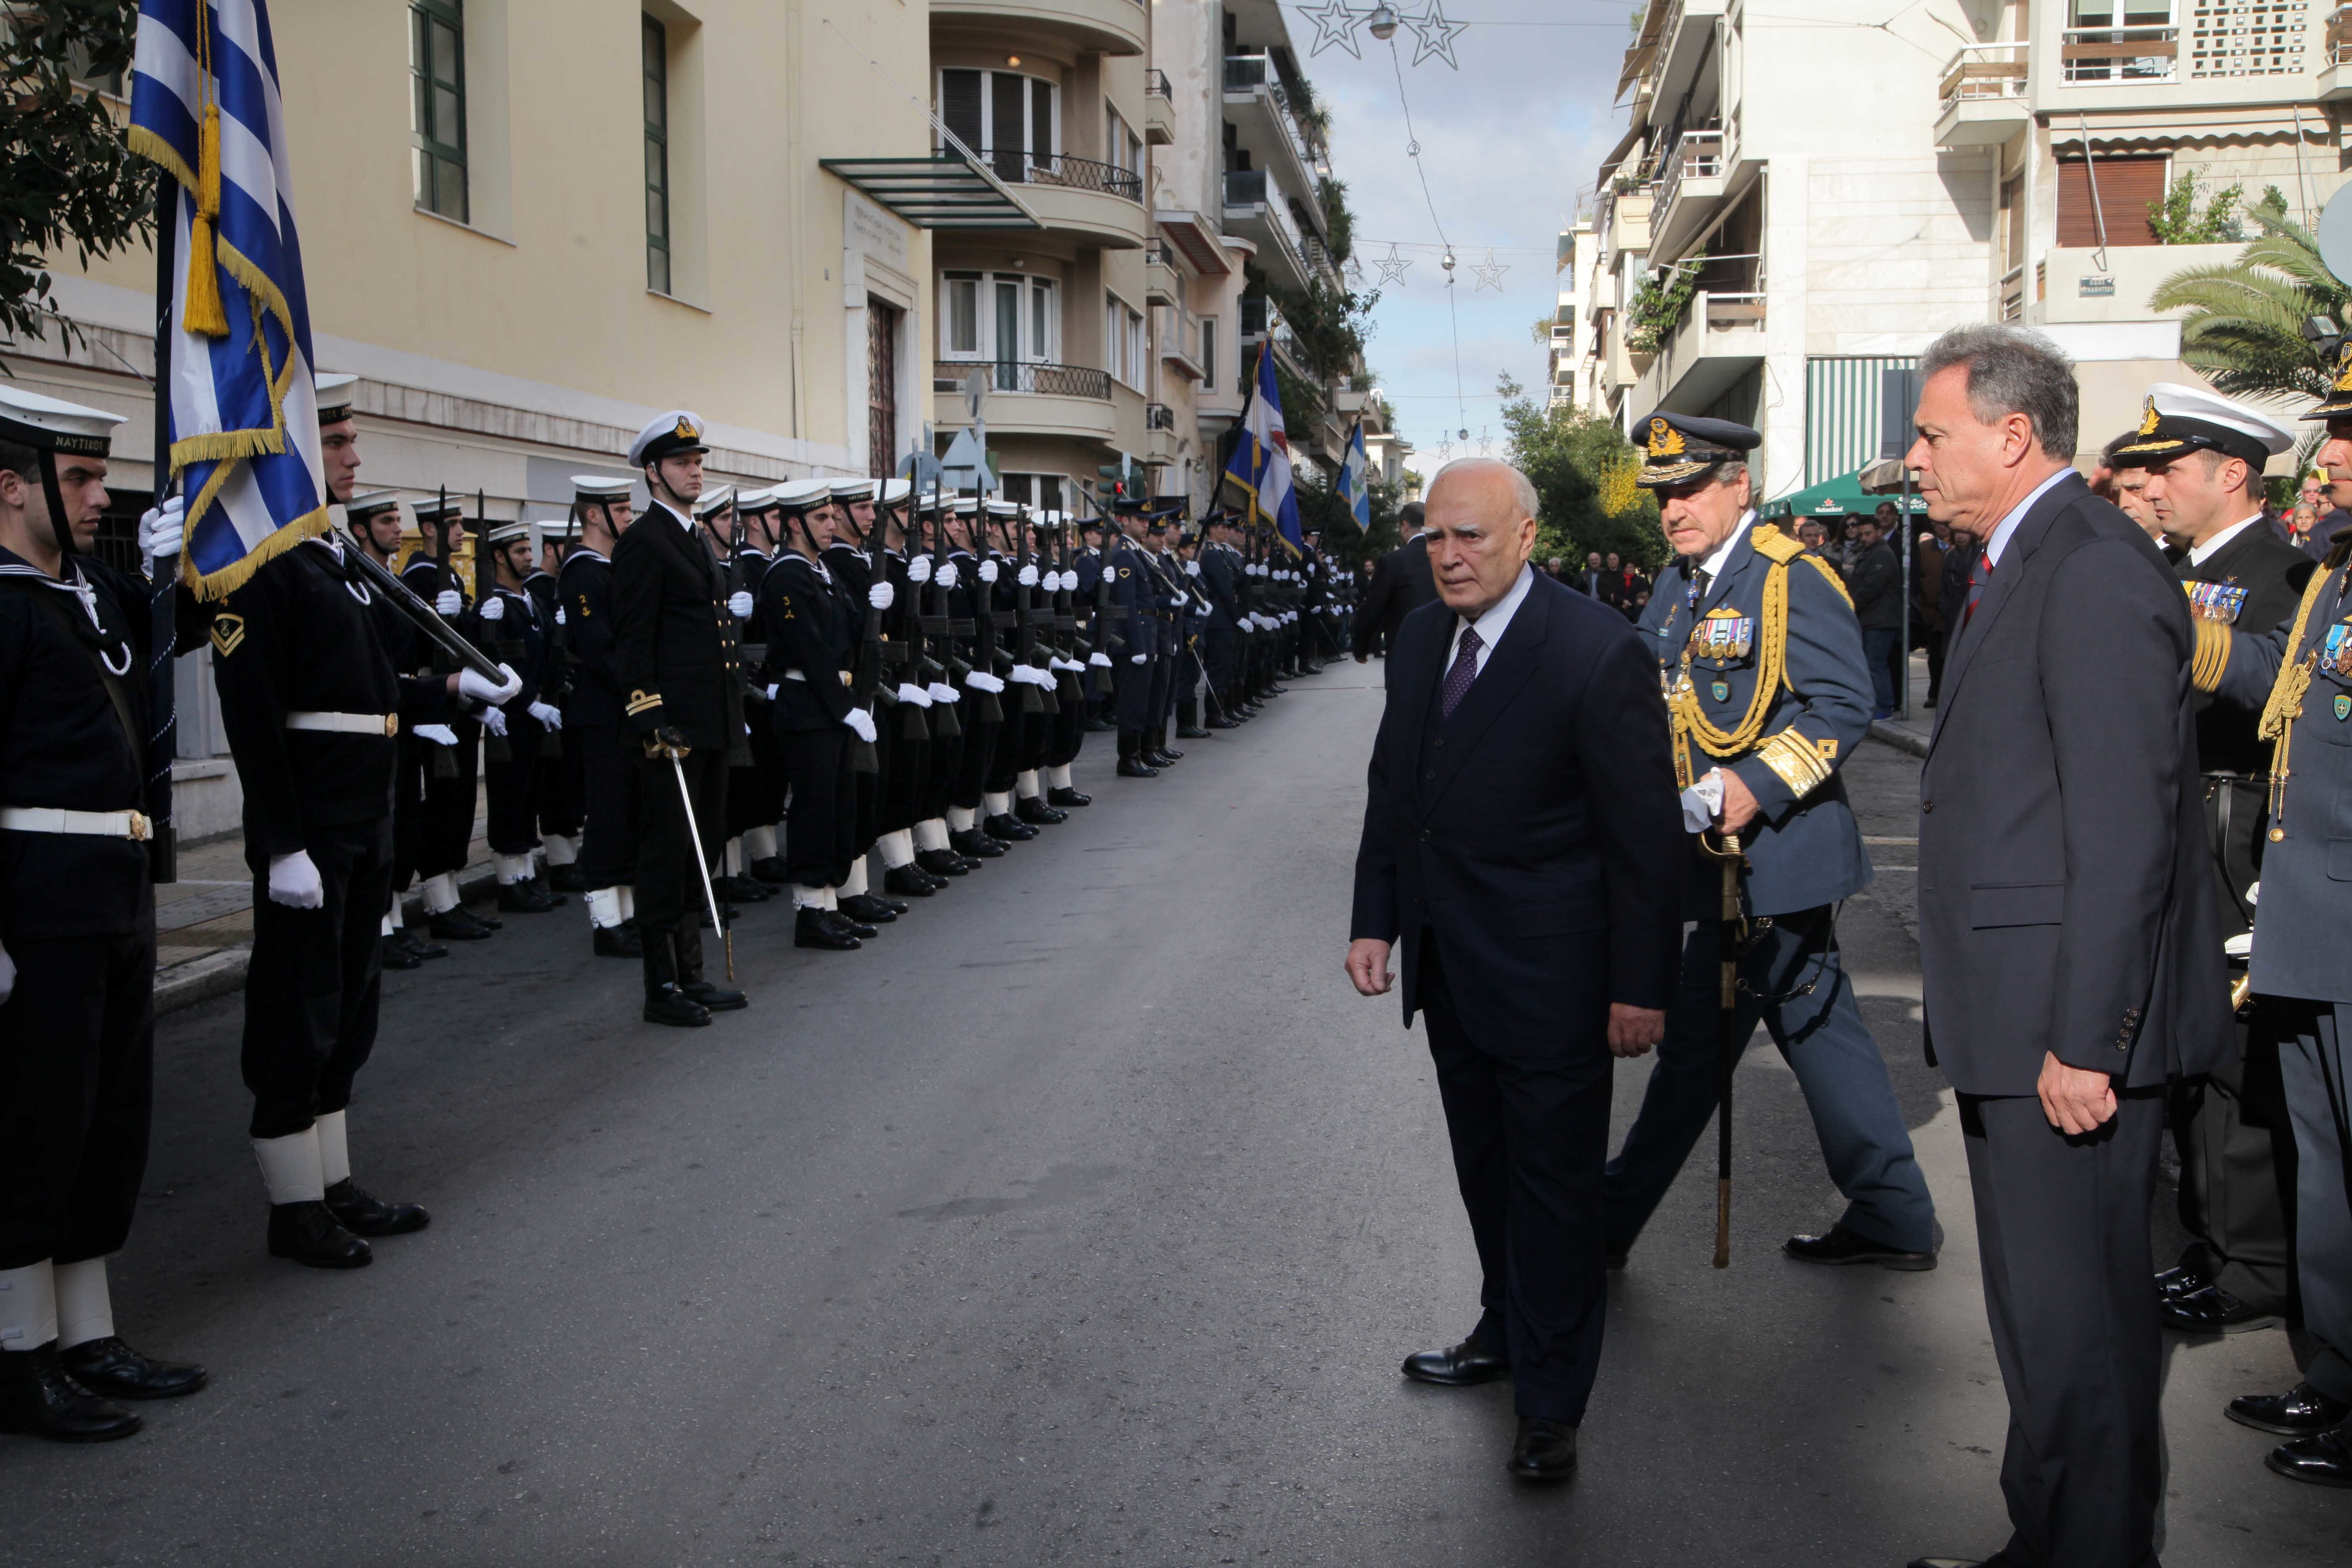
[1910, 735]
[204, 921]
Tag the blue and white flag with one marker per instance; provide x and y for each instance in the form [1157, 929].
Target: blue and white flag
[1261, 460]
[1355, 479]
[243, 415]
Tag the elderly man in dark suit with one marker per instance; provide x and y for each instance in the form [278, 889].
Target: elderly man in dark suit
[2068, 940]
[1401, 584]
[1522, 802]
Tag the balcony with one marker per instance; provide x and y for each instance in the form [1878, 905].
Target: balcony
[1697, 177]
[1161, 283]
[1158, 109]
[1259, 113]
[1180, 343]
[1683, 46]
[1628, 219]
[1098, 202]
[1255, 209]
[1984, 96]
[1029, 399]
[1720, 339]
[2119, 55]
[1261, 323]
[1159, 433]
[2336, 59]
[1107, 27]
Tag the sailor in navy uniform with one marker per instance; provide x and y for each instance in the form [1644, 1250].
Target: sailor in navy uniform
[560, 806]
[591, 716]
[373, 519]
[1761, 660]
[450, 760]
[510, 623]
[755, 791]
[76, 927]
[1135, 595]
[2203, 456]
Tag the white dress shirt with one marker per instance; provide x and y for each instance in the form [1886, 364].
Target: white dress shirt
[1713, 565]
[2220, 542]
[1492, 624]
[2008, 525]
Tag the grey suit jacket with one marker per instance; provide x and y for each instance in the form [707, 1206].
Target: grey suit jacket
[2063, 897]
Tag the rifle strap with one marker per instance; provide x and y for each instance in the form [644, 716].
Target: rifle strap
[85, 636]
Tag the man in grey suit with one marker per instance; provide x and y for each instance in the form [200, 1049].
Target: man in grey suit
[2068, 943]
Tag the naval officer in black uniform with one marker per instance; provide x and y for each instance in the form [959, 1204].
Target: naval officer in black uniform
[591, 716]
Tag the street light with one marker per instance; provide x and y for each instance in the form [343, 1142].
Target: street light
[1383, 19]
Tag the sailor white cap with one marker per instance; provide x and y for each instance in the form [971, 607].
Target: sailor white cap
[679, 430]
[369, 502]
[803, 495]
[333, 390]
[853, 490]
[712, 501]
[750, 504]
[46, 424]
[508, 532]
[595, 487]
[895, 491]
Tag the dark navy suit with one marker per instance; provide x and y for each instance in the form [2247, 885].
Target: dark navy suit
[1508, 849]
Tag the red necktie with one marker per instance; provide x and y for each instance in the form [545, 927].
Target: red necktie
[1979, 575]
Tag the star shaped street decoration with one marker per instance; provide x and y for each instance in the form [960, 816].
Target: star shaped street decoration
[1490, 276]
[1435, 35]
[1333, 24]
[1354, 273]
[1393, 267]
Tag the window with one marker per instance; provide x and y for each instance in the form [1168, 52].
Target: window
[1208, 354]
[1009, 318]
[656, 73]
[2126, 187]
[1125, 345]
[1013, 121]
[1033, 490]
[437, 106]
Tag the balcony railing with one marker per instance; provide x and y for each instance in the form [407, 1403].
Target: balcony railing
[1698, 155]
[1159, 416]
[1984, 70]
[1155, 84]
[1160, 251]
[2012, 293]
[1009, 375]
[1017, 166]
[2120, 53]
[1251, 73]
[1251, 188]
[2340, 35]
[1258, 315]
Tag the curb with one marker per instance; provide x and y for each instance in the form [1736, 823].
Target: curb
[1901, 740]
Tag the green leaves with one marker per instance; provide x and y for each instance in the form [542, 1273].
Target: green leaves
[2243, 329]
[1569, 456]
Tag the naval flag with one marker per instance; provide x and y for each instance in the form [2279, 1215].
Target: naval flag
[1261, 460]
[242, 414]
[1355, 479]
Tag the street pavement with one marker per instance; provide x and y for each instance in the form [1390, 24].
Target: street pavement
[1083, 1218]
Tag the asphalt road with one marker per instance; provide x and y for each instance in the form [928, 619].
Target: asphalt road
[1083, 1218]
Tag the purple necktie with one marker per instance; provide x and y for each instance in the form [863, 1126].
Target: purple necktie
[1464, 672]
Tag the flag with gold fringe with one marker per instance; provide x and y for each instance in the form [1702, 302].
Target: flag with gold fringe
[242, 413]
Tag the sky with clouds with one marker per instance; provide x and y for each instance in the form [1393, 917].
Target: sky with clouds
[1508, 143]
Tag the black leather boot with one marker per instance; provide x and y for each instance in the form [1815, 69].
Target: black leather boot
[1032, 810]
[943, 862]
[522, 897]
[1067, 798]
[458, 925]
[1134, 767]
[666, 1003]
[741, 889]
[113, 1370]
[868, 910]
[37, 1399]
[392, 955]
[714, 998]
[567, 878]
[908, 882]
[973, 845]
[769, 869]
[416, 946]
[308, 1234]
[1008, 828]
[618, 942]
[360, 1215]
[811, 929]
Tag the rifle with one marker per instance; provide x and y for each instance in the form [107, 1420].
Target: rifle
[445, 760]
[1065, 620]
[911, 724]
[865, 685]
[1110, 640]
[507, 649]
[1033, 698]
[557, 688]
[938, 628]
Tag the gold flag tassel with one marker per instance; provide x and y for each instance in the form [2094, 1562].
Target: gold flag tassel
[203, 312]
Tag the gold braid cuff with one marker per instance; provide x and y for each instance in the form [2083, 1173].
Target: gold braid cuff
[1796, 762]
[2212, 655]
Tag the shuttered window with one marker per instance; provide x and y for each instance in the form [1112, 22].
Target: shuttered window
[2126, 187]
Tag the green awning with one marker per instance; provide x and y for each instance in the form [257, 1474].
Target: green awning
[1841, 497]
[945, 192]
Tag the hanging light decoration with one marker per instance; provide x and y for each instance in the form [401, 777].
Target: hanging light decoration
[1383, 19]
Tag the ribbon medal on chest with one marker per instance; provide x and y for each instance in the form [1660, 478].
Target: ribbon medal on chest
[1723, 637]
[2215, 601]
[2336, 654]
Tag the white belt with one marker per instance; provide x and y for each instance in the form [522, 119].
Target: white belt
[57, 819]
[346, 724]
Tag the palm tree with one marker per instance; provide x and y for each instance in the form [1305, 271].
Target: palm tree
[2244, 330]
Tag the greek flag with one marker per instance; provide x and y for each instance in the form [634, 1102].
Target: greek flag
[1355, 479]
[1261, 460]
[244, 416]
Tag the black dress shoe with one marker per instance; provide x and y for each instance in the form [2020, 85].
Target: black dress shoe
[810, 929]
[416, 945]
[1545, 1449]
[1615, 1256]
[853, 928]
[38, 1400]
[908, 882]
[868, 910]
[1162, 756]
[522, 897]
[2178, 1281]
[113, 1370]
[1008, 828]
[2324, 1458]
[1136, 768]
[942, 863]
[666, 1004]
[893, 905]
[619, 942]
[714, 998]
[1841, 1246]
[1096, 726]
[2301, 1412]
[308, 1234]
[360, 1215]
[1457, 1366]
[1214, 724]
[567, 878]
[769, 869]
[2212, 1311]
[974, 844]
[742, 889]
[458, 925]
[1191, 732]
[392, 955]
[1067, 798]
[1036, 813]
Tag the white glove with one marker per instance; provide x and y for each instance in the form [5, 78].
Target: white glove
[439, 734]
[474, 688]
[947, 573]
[772, 694]
[2254, 891]
[449, 602]
[1191, 569]
[7, 974]
[1139, 658]
[988, 571]
[1099, 660]
[1069, 582]
[881, 596]
[494, 720]
[918, 570]
[739, 605]
[2239, 946]
[942, 692]
[547, 715]
[160, 527]
[1028, 576]
[861, 724]
[1703, 803]
[1175, 601]
[914, 694]
[294, 881]
[559, 614]
[494, 609]
[981, 680]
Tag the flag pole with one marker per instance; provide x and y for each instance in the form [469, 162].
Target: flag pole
[163, 604]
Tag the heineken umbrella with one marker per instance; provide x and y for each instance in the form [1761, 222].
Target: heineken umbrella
[1841, 497]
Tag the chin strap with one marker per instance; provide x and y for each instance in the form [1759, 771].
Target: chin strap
[58, 525]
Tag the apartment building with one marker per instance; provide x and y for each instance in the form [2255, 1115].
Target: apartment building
[1572, 361]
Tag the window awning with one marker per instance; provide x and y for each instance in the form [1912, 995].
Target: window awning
[945, 192]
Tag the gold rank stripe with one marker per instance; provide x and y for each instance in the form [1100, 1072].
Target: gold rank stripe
[1796, 762]
[641, 700]
[2212, 655]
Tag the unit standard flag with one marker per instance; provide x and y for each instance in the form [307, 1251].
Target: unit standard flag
[1355, 479]
[1261, 460]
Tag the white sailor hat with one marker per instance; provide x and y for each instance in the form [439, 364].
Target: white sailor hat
[803, 495]
[2179, 420]
[967, 506]
[47, 425]
[752, 503]
[853, 490]
[367, 503]
[1003, 507]
[508, 532]
[679, 430]
[595, 487]
[334, 389]
[895, 492]
[713, 501]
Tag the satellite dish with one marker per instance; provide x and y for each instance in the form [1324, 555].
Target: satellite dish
[2335, 236]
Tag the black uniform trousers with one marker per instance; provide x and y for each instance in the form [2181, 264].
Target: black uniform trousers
[312, 986]
[1222, 657]
[2063, 1235]
[981, 736]
[409, 762]
[907, 764]
[820, 813]
[608, 788]
[2310, 1041]
[943, 759]
[667, 881]
[1067, 734]
[1132, 699]
[755, 794]
[511, 788]
[561, 785]
[1529, 1133]
[77, 1070]
[445, 829]
[2232, 1128]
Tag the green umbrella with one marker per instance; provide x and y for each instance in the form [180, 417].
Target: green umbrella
[1841, 497]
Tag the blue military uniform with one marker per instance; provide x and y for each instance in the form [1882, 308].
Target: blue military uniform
[1762, 661]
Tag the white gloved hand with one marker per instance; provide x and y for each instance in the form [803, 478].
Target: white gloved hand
[739, 605]
[918, 570]
[160, 527]
[981, 680]
[494, 720]
[439, 734]
[942, 692]
[1191, 569]
[1703, 803]
[914, 694]
[772, 694]
[8, 976]
[1028, 577]
[1139, 659]
[449, 602]
[861, 724]
[547, 715]
[2239, 946]
[947, 574]
[474, 688]
[988, 571]
[882, 595]
[559, 614]
[1175, 601]
[494, 609]
[1099, 660]
[294, 881]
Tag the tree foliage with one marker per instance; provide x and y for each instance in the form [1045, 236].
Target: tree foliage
[1572, 459]
[2243, 326]
[2177, 220]
[67, 178]
[1319, 505]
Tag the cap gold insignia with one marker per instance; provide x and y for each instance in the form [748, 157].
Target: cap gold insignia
[2147, 423]
[686, 432]
[1666, 441]
[2343, 368]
